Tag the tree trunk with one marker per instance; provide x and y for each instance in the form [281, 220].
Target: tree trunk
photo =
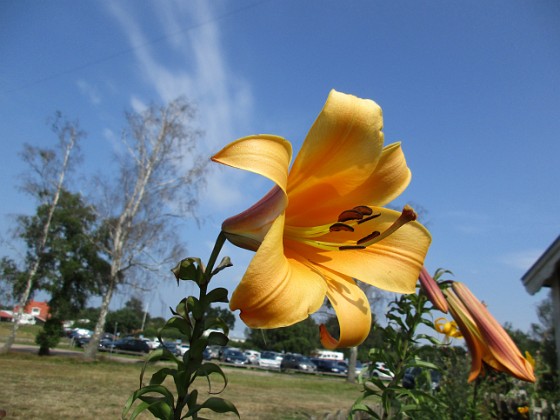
[42, 242]
[91, 349]
[351, 377]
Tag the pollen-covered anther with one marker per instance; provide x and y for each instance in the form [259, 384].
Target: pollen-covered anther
[369, 237]
[365, 210]
[347, 215]
[367, 219]
[409, 214]
[337, 227]
[349, 247]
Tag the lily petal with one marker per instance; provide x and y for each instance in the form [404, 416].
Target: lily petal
[466, 325]
[340, 152]
[352, 310]
[248, 229]
[432, 290]
[263, 154]
[392, 264]
[499, 342]
[389, 179]
[278, 288]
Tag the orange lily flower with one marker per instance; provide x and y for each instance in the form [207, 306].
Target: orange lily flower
[487, 341]
[322, 225]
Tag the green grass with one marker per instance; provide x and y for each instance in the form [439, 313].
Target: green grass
[25, 333]
[59, 387]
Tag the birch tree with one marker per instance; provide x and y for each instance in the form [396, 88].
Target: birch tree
[45, 181]
[158, 180]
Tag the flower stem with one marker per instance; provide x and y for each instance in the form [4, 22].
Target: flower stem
[220, 240]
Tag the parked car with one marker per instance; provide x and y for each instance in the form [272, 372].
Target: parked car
[132, 344]
[270, 359]
[329, 366]
[215, 351]
[172, 347]
[183, 348]
[380, 371]
[152, 343]
[253, 356]
[234, 356]
[359, 367]
[207, 354]
[106, 344]
[298, 362]
[81, 341]
[417, 376]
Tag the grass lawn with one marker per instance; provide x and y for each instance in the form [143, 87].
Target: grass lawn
[58, 387]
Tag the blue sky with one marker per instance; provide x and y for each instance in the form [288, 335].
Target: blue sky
[472, 90]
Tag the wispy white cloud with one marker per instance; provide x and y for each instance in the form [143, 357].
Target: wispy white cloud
[91, 92]
[522, 260]
[192, 63]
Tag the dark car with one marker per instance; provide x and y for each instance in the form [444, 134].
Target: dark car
[418, 377]
[132, 344]
[234, 356]
[298, 362]
[106, 344]
[329, 366]
[172, 347]
[81, 341]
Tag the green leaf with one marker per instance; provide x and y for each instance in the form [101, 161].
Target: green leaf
[159, 407]
[217, 338]
[195, 307]
[216, 323]
[159, 376]
[188, 269]
[166, 399]
[182, 309]
[209, 368]
[364, 408]
[225, 263]
[180, 324]
[219, 294]
[220, 405]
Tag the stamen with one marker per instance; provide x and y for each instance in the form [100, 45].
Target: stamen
[367, 219]
[348, 247]
[337, 227]
[407, 215]
[347, 215]
[369, 237]
[365, 210]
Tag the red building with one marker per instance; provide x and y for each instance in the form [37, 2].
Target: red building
[33, 312]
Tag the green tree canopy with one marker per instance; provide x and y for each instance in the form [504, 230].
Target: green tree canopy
[302, 337]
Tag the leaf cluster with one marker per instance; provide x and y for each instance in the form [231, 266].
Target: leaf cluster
[191, 321]
[400, 350]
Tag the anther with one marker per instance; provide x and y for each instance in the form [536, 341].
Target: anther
[350, 215]
[348, 247]
[367, 219]
[337, 227]
[365, 210]
[369, 237]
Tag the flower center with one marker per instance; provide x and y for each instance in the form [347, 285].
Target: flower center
[347, 221]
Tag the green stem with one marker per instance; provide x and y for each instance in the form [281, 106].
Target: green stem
[220, 240]
[475, 397]
[198, 330]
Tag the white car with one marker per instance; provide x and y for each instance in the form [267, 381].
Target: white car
[270, 359]
[381, 372]
[183, 348]
[253, 356]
